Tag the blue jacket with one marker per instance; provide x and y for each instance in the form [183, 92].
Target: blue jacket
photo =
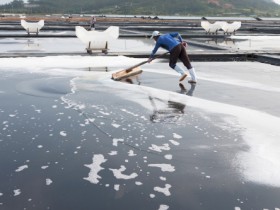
[167, 41]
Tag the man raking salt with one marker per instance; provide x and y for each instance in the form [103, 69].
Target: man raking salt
[174, 43]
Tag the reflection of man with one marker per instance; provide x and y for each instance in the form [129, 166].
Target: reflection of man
[171, 113]
[176, 46]
[185, 91]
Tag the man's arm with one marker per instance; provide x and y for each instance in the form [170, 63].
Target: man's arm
[154, 50]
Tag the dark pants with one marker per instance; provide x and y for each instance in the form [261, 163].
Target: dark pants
[179, 52]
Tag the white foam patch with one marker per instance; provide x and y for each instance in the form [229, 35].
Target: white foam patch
[163, 167]
[21, 168]
[116, 141]
[163, 207]
[72, 104]
[48, 181]
[152, 195]
[17, 192]
[176, 143]
[104, 113]
[128, 112]
[177, 136]
[160, 136]
[95, 168]
[159, 148]
[131, 153]
[168, 157]
[117, 187]
[119, 175]
[1, 194]
[162, 178]
[138, 183]
[44, 167]
[165, 190]
[116, 125]
[113, 153]
[63, 133]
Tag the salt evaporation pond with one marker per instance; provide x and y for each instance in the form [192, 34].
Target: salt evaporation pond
[72, 138]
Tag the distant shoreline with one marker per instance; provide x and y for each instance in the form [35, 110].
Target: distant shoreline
[99, 19]
[125, 18]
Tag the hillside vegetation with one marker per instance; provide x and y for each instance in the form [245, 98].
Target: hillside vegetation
[148, 7]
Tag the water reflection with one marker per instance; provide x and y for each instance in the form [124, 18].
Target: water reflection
[165, 111]
[99, 69]
[169, 111]
[32, 45]
[246, 42]
[221, 42]
[132, 80]
[189, 92]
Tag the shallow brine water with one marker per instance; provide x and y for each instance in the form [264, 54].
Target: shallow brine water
[72, 138]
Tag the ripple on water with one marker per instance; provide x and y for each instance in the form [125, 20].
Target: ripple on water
[45, 87]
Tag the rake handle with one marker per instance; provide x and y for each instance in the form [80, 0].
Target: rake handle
[143, 62]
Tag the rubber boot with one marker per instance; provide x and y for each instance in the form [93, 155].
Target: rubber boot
[193, 75]
[180, 71]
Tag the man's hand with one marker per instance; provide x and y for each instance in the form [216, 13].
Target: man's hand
[149, 60]
[184, 44]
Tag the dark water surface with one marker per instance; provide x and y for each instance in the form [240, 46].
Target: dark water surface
[89, 143]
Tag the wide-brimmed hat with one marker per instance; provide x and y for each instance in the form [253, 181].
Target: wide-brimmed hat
[155, 33]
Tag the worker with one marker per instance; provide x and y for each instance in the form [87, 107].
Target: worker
[92, 23]
[174, 43]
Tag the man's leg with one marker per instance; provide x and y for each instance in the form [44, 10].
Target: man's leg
[193, 76]
[186, 61]
[174, 54]
[183, 56]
